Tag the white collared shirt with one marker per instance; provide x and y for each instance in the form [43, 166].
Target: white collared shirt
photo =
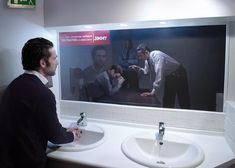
[42, 78]
[162, 65]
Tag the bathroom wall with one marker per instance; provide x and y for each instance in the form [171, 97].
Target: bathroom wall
[96, 12]
[16, 27]
[229, 124]
[231, 62]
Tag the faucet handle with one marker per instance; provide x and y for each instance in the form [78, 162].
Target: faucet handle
[162, 127]
[82, 115]
[82, 121]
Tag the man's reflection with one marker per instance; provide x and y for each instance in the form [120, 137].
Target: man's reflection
[99, 58]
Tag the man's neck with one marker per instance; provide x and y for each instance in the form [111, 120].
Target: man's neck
[42, 73]
[42, 78]
[97, 67]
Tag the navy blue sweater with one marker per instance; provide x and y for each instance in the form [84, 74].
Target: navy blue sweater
[28, 120]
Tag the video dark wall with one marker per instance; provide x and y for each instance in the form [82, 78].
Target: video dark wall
[199, 49]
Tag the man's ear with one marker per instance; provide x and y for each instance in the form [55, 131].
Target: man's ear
[42, 63]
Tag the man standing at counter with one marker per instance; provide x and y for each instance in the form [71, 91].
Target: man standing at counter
[28, 118]
[169, 77]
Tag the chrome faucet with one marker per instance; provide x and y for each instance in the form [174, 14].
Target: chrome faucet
[161, 131]
[82, 121]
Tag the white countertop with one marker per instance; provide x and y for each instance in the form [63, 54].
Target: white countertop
[109, 154]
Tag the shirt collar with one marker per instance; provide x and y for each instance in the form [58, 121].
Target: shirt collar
[42, 78]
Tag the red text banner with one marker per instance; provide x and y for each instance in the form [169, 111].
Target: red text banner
[85, 38]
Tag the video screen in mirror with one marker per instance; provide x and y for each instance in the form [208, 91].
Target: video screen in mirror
[176, 67]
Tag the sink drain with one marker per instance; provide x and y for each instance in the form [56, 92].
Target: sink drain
[160, 162]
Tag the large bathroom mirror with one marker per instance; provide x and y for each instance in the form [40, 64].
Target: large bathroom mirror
[91, 63]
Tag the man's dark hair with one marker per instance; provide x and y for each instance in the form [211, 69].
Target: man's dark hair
[98, 48]
[116, 68]
[142, 47]
[33, 51]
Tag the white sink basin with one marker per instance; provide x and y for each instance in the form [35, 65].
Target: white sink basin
[91, 137]
[176, 151]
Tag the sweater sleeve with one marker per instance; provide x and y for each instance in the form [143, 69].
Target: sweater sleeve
[50, 124]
